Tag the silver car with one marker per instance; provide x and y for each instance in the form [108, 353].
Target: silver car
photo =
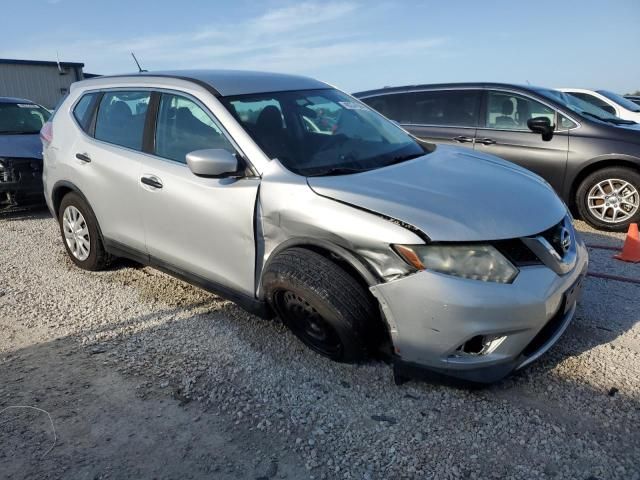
[294, 199]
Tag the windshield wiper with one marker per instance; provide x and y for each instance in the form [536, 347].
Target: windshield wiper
[14, 132]
[338, 171]
[615, 121]
[404, 158]
[597, 117]
[622, 121]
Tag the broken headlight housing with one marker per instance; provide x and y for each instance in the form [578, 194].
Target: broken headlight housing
[473, 261]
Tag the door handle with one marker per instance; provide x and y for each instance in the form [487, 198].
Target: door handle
[486, 141]
[84, 157]
[151, 181]
[463, 139]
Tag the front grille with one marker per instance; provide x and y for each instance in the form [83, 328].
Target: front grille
[553, 236]
[6, 175]
[517, 252]
[20, 170]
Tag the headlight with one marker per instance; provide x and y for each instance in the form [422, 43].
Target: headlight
[473, 261]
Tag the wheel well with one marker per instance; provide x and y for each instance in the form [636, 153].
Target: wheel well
[342, 262]
[58, 194]
[384, 339]
[585, 172]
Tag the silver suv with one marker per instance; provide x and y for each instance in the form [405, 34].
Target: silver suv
[293, 198]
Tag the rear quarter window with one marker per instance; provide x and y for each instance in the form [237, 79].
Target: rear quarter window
[83, 111]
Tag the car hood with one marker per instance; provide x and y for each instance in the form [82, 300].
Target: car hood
[21, 146]
[452, 194]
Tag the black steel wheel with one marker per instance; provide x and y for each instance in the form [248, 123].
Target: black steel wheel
[307, 324]
[322, 304]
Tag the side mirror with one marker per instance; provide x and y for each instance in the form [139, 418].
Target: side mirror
[541, 125]
[212, 162]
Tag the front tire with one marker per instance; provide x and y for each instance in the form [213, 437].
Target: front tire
[80, 233]
[324, 306]
[609, 199]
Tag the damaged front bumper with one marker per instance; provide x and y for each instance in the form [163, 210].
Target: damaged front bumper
[448, 327]
[20, 181]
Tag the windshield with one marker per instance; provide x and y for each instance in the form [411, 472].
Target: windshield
[620, 100]
[322, 132]
[578, 105]
[22, 118]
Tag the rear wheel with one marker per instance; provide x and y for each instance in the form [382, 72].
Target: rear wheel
[80, 234]
[324, 306]
[609, 199]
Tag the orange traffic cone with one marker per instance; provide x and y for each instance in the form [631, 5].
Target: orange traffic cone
[631, 249]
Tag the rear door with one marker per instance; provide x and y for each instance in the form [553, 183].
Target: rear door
[440, 116]
[443, 116]
[504, 132]
[108, 164]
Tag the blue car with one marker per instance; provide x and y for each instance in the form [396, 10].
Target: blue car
[21, 152]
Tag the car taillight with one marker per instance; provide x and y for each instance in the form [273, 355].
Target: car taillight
[46, 133]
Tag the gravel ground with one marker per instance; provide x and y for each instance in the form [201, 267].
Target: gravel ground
[271, 407]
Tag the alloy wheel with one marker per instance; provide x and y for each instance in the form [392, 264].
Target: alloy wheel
[613, 200]
[76, 233]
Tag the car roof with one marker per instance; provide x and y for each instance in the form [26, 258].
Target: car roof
[225, 83]
[425, 86]
[15, 100]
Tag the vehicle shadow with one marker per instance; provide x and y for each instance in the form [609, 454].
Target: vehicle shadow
[25, 213]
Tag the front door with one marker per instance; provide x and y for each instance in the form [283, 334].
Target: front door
[504, 132]
[196, 225]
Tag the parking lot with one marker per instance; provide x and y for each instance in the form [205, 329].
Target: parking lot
[146, 376]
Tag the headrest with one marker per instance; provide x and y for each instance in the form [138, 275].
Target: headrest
[269, 118]
[507, 107]
[119, 110]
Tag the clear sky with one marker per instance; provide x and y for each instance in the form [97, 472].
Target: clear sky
[354, 44]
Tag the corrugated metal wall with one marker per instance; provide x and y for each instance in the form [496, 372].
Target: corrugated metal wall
[42, 84]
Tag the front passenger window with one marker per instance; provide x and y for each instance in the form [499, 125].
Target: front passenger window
[121, 118]
[183, 127]
[508, 111]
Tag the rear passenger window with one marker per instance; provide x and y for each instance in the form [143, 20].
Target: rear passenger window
[454, 108]
[121, 118]
[388, 105]
[84, 109]
[183, 127]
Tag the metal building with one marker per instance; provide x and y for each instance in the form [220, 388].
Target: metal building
[42, 82]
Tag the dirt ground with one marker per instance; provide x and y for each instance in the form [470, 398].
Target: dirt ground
[107, 428]
[147, 377]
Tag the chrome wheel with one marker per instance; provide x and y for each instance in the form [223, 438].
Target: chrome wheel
[76, 233]
[613, 200]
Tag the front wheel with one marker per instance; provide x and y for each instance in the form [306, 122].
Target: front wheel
[324, 306]
[609, 199]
